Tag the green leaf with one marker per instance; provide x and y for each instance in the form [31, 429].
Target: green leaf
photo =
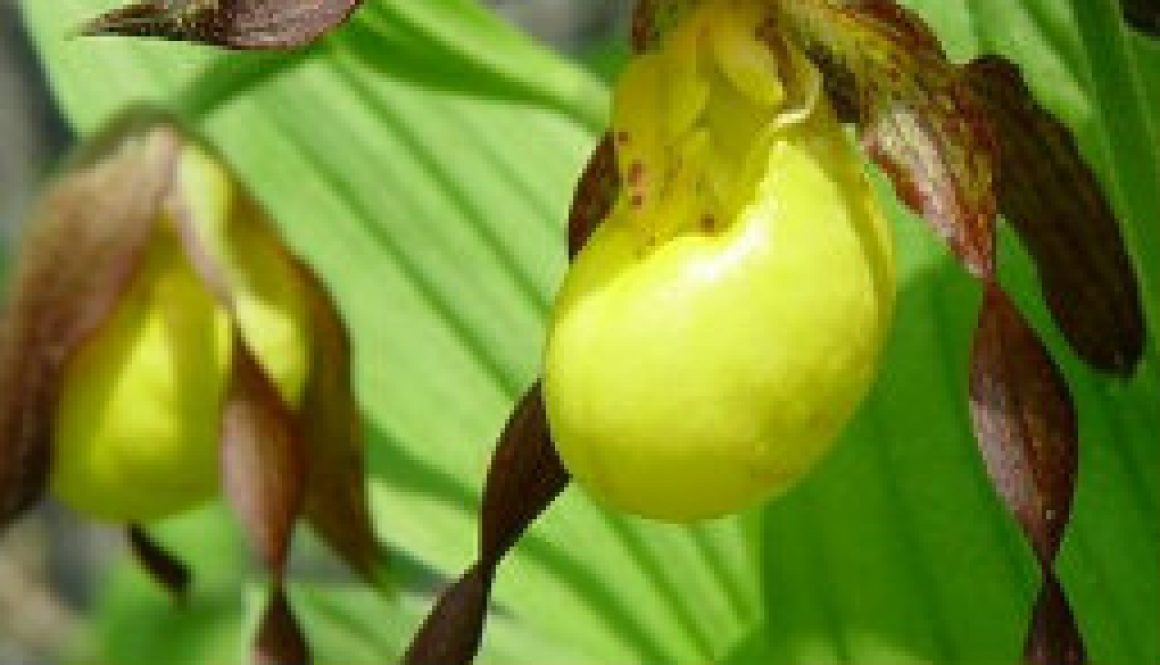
[422, 160]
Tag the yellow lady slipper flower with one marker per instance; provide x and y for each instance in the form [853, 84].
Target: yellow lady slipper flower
[137, 427]
[726, 319]
[161, 345]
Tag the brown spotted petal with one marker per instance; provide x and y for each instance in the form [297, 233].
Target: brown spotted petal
[526, 476]
[84, 246]
[163, 566]
[917, 118]
[1026, 426]
[453, 631]
[1052, 198]
[240, 24]
[1144, 15]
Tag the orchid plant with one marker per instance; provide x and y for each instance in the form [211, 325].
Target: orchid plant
[733, 282]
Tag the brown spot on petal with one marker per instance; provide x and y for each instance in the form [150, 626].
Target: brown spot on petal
[635, 174]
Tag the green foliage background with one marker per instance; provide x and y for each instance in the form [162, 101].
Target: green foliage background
[422, 159]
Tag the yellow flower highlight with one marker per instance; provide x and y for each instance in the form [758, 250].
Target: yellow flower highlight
[724, 322]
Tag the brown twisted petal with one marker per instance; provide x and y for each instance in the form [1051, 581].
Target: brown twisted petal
[595, 194]
[264, 476]
[83, 248]
[1026, 426]
[239, 24]
[1051, 197]
[1054, 637]
[525, 477]
[280, 639]
[453, 631]
[526, 474]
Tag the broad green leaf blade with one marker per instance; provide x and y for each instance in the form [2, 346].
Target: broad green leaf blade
[422, 161]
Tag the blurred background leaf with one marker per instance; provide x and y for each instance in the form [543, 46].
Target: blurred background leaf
[422, 159]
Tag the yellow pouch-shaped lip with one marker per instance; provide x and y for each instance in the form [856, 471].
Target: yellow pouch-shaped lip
[695, 368]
